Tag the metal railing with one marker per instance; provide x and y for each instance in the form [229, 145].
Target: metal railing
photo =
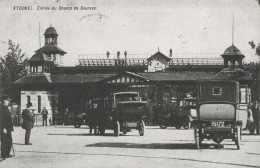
[141, 59]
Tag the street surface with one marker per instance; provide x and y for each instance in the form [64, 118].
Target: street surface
[69, 147]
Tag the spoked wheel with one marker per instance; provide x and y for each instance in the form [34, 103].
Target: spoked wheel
[186, 125]
[117, 129]
[238, 137]
[251, 128]
[77, 125]
[163, 126]
[90, 130]
[142, 128]
[197, 138]
[102, 131]
[178, 126]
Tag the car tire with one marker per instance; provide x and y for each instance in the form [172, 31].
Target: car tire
[163, 126]
[117, 129]
[142, 128]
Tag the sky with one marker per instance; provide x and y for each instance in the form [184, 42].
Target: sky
[135, 26]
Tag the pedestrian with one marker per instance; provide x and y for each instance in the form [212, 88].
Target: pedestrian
[6, 129]
[28, 122]
[44, 116]
[250, 119]
[254, 112]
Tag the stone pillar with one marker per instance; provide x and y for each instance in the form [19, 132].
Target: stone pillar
[225, 63]
[233, 64]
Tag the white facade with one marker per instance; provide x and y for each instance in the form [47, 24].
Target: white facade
[157, 65]
[39, 100]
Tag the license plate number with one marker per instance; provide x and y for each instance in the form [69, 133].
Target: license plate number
[217, 124]
[132, 124]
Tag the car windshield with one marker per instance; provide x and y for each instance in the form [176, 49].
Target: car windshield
[126, 97]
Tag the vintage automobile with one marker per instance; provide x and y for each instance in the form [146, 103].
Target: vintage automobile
[79, 120]
[121, 112]
[182, 115]
[220, 111]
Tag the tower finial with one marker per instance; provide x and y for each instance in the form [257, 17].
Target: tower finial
[233, 30]
[158, 49]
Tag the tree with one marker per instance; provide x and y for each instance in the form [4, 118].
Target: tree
[12, 67]
[257, 48]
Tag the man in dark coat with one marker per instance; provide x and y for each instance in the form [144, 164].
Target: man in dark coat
[44, 116]
[6, 129]
[28, 121]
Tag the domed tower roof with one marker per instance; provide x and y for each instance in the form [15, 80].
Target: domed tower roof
[232, 54]
[232, 50]
[50, 31]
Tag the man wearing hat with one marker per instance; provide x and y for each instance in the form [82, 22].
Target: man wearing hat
[28, 122]
[6, 129]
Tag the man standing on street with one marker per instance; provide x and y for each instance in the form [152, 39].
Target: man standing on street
[44, 116]
[28, 121]
[6, 129]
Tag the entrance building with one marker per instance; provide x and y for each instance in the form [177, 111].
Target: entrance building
[159, 78]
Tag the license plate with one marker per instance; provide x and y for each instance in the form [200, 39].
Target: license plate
[217, 124]
[132, 124]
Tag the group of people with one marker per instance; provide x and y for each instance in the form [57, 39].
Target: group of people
[6, 126]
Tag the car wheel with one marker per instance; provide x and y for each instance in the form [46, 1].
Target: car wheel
[77, 125]
[102, 131]
[142, 128]
[117, 129]
[186, 125]
[198, 140]
[163, 126]
[238, 137]
[251, 128]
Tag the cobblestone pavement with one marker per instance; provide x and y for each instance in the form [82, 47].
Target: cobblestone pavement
[69, 147]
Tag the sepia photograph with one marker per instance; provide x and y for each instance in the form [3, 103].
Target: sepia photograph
[130, 83]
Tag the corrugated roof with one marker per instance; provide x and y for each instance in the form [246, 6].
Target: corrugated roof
[40, 78]
[233, 74]
[159, 55]
[91, 78]
[51, 49]
[39, 57]
[177, 76]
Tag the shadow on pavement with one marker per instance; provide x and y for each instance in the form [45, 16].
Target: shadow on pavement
[147, 157]
[253, 153]
[107, 134]
[147, 146]
[18, 144]
[70, 134]
[184, 146]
